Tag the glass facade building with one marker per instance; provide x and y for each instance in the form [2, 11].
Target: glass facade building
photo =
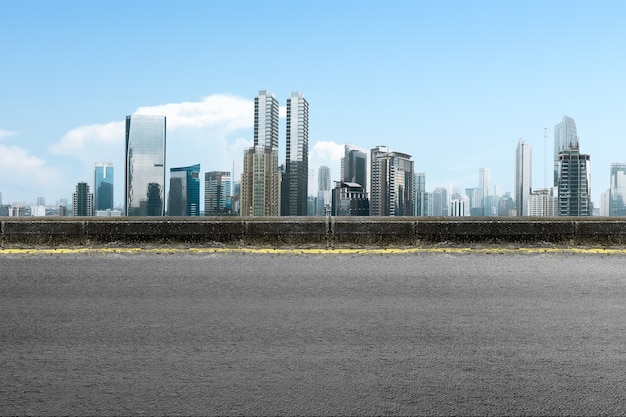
[184, 194]
[82, 200]
[217, 193]
[294, 196]
[565, 139]
[617, 192]
[145, 166]
[103, 186]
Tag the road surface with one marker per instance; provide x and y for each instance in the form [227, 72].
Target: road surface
[313, 333]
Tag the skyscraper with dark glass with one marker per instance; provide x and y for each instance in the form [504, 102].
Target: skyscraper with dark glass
[184, 194]
[103, 186]
[145, 166]
[295, 180]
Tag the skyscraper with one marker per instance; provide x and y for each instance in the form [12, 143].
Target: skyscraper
[323, 191]
[266, 120]
[565, 139]
[420, 194]
[392, 183]
[184, 195]
[260, 181]
[145, 166]
[484, 182]
[82, 200]
[574, 184]
[295, 181]
[260, 192]
[523, 177]
[103, 186]
[617, 191]
[354, 166]
[217, 194]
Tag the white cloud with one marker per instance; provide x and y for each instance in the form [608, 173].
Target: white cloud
[328, 150]
[97, 142]
[6, 133]
[27, 172]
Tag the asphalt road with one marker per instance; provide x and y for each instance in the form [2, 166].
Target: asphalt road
[283, 333]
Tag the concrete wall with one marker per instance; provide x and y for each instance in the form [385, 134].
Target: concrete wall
[312, 231]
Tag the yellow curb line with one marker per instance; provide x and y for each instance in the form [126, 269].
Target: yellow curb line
[307, 251]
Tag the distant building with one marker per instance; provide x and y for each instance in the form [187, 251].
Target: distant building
[41, 201]
[523, 177]
[565, 139]
[506, 206]
[294, 195]
[420, 194]
[392, 183]
[108, 213]
[543, 202]
[459, 206]
[574, 184]
[440, 202]
[617, 191]
[17, 211]
[184, 195]
[82, 200]
[260, 182]
[324, 199]
[484, 184]
[38, 211]
[145, 166]
[217, 193]
[349, 199]
[103, 186]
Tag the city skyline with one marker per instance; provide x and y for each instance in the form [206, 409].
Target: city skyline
[453, 84]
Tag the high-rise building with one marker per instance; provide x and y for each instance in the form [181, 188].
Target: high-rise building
[617, 190]
[266, 120]
[574, 184]
[323, 201]
[392, 183]
[82, 200]
[459, 205]
[260, 182]
[41, 201]
[145, 166]
[103, 186]
[354, 166]
[565, 139]
[217, 193]
[523, 177]
[440, 202]
[260, 179]
[294, 196]
[484, 181]
[420, 194]
[184, 194]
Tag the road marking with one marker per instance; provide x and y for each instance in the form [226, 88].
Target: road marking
[311, 251]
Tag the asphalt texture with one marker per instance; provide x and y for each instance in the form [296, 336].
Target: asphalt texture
[246, 333]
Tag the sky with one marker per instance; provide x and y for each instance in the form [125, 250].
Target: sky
[455, 84]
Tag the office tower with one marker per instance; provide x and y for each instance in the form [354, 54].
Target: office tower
[440, 202]
[392, 183]
[523, 177]
[565, 139]
[506, 206]
[266, 120]
[354, 166]
[294, 194]
[574, 184]
[82, 200]
[103, 186]
[217, 194]
[260, 182]
[484, 181]
[184, 195]
[349, 199]
[605, 203]
[144, 189]
[323, 191]
[617, 190]
[41, 201]
[420, 194]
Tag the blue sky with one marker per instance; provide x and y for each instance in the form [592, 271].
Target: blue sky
[453, 83]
